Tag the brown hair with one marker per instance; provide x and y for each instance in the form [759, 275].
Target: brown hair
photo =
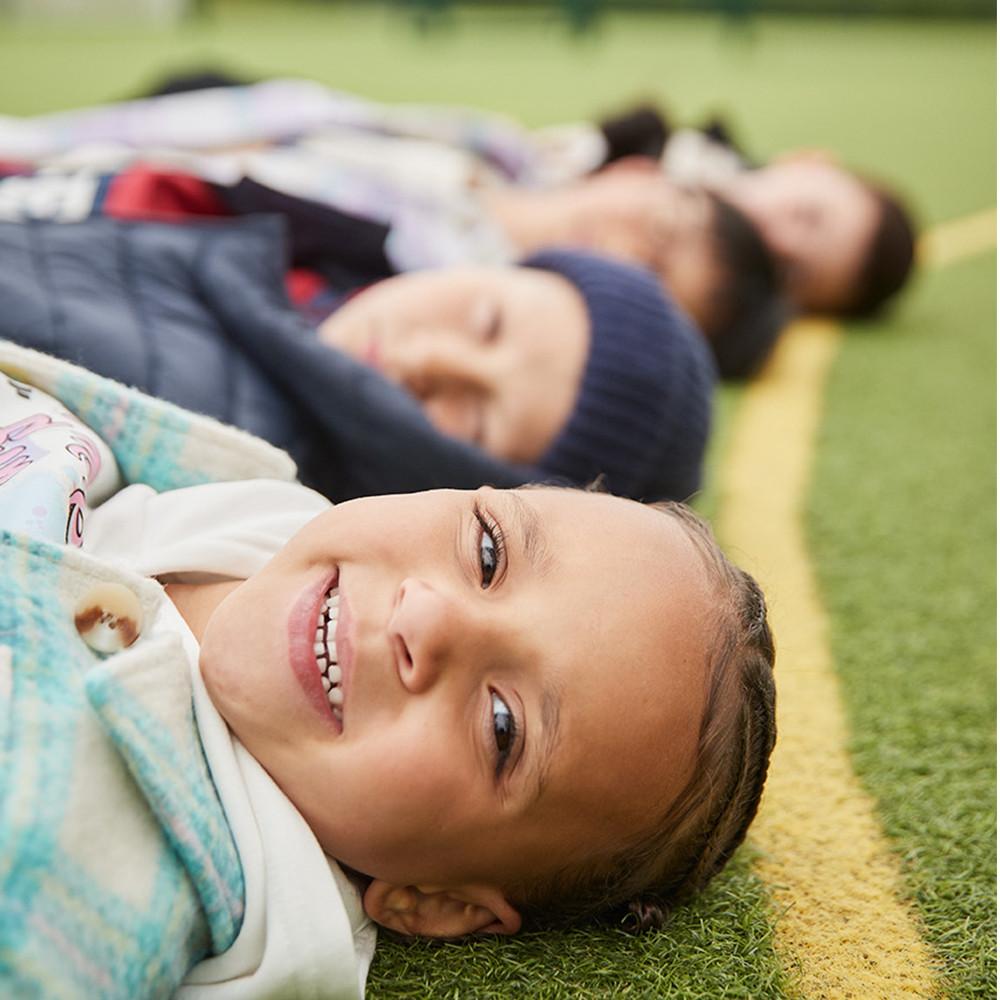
[889, 260]
[698, 832]
[748, 309]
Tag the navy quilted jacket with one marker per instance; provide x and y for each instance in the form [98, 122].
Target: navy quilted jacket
[197, 314]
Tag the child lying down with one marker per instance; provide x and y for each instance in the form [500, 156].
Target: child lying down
[491, 709]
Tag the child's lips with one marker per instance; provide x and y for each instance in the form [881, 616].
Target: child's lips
[302, 656]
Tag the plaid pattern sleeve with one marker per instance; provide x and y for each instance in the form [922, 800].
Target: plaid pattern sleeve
[118, 868]
[118, 871]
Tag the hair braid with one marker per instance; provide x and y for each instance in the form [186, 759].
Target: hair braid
[702, 828]
[727, 825]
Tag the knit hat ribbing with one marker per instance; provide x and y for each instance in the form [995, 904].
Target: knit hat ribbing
[642, 413]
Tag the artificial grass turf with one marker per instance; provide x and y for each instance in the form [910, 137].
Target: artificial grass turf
[716, 948]
[903, 532]
[900, 518]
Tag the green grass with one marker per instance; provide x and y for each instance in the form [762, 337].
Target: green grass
[901, 516]
[717, 948]
[903, 526]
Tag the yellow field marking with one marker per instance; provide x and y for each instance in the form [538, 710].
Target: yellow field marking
[953, 241]
[843, 924]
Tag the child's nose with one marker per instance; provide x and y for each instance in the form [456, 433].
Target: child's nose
[426, 630]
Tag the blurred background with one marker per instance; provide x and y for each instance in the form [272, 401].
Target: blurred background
[908, 96]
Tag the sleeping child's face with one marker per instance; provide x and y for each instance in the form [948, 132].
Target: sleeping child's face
[495, 355]
[518, 686]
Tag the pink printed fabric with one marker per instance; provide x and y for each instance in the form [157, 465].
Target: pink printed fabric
[53, 468]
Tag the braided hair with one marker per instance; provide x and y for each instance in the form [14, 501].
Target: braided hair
[889, 259]
[698, 832]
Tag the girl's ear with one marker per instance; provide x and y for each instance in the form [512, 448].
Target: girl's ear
[428, 911]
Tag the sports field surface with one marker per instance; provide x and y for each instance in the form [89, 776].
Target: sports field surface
[856, 477]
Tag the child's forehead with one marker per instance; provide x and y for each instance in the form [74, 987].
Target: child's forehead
[568, 508]
[618, 547]
[631, 671]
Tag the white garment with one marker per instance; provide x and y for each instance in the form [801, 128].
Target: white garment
[694, 158]
[304, 931]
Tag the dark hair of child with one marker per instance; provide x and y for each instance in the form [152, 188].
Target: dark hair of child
[640, 131]
[692, 839]
[890, 258]
[749, 310]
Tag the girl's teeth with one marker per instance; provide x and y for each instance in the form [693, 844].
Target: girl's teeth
[325, 650]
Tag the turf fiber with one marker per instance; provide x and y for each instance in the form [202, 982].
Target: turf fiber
[902, 520]
[901, 515]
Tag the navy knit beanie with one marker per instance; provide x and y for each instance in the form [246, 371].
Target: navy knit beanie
[642, 414]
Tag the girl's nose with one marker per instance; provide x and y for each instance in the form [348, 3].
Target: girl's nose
[426, 631]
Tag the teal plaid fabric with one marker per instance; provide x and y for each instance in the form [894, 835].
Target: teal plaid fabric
[118, 870]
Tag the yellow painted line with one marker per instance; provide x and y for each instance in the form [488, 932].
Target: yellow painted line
[953, 241]
[842, 925]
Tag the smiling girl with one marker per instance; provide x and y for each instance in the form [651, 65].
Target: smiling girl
[507, 691]
[490, 707]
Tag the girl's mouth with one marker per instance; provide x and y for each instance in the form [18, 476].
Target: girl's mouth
[325, 648]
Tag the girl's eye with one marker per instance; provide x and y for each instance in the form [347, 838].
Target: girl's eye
[491, 549]
[504, 730]
[487, 558]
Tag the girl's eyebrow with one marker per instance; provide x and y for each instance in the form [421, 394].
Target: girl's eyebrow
[534, 540]
[535, 545]
[547, 740]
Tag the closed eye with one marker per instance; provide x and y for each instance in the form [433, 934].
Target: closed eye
[495, 325]
[808, 216]
[487, 320]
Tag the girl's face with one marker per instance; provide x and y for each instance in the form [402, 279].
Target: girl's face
[494, 355]
[519, 680]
